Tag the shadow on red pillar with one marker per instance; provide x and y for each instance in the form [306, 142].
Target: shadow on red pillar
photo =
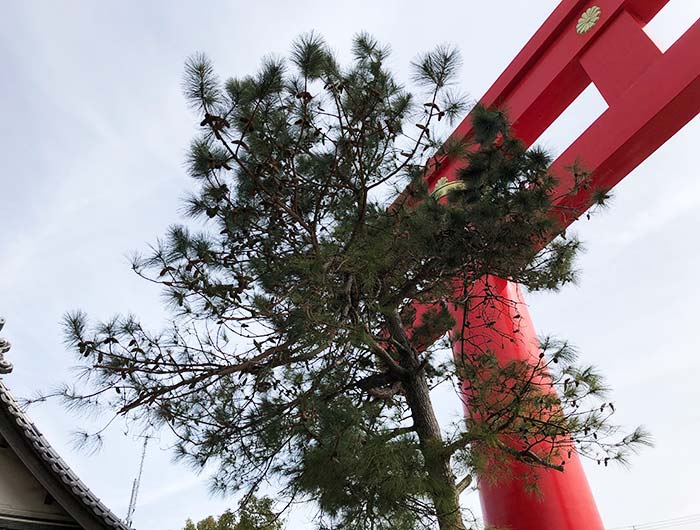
[564, 500]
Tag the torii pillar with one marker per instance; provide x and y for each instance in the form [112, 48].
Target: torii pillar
[650, 95]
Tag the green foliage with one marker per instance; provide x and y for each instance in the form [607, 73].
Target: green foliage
[257, 514]
[294, 354]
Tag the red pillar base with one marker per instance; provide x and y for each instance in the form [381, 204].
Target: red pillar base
[564, 500]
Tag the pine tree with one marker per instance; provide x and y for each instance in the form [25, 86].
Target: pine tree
[293, 357]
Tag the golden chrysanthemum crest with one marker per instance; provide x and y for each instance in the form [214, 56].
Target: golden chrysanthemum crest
[444, 186]
[588, 19]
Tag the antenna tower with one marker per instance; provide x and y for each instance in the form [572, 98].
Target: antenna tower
[135, 486]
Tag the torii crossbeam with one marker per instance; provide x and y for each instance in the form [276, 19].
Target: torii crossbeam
[651, 95]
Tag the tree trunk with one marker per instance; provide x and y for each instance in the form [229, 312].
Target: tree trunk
[443, 489]
[437, 464]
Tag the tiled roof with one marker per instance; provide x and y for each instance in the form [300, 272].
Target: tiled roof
[55, 464]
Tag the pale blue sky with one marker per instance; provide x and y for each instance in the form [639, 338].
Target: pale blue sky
[93, 135]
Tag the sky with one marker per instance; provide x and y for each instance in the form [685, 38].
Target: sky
[93, 135]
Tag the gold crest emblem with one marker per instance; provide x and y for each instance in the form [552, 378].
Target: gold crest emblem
[588, 19]
[444, 186]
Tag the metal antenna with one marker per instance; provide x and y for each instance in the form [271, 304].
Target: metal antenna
[135, 486]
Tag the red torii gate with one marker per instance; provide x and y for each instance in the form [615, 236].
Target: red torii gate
[650, 95]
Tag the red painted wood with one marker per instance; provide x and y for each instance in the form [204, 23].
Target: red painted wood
[565, 501]
[654, 107]
[547, 76]
[617, 58]
[651, 96]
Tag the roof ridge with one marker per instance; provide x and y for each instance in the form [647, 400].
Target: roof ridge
[55, 463]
